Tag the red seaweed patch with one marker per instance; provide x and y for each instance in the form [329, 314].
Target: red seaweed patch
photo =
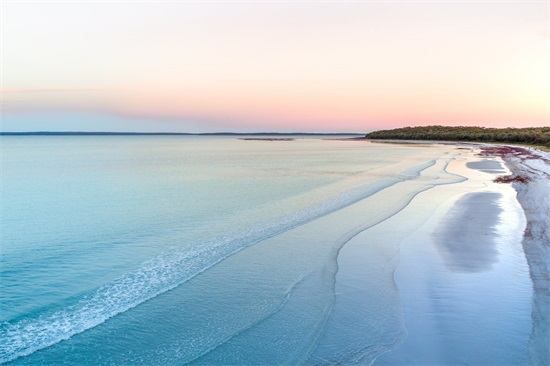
[507, 151]
[512, 179]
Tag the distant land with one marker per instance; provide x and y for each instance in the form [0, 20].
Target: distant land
[100, 133]
[534, 136]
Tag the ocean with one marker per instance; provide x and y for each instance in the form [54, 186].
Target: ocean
[212, 250]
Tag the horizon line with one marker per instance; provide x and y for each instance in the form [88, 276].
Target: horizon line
[221, 133]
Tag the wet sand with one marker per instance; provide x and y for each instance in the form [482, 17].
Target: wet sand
[467, 237]
[461, 275]
[531, 179]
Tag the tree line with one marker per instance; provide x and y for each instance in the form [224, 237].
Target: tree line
[532, 135]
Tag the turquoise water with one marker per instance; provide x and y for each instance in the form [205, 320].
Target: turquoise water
[206, 250]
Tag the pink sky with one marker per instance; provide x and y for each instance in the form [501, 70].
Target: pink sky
[277, 65]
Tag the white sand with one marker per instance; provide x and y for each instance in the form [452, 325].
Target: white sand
[462, 276]
[534, 197]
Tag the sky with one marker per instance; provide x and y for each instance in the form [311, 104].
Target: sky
[285, 66]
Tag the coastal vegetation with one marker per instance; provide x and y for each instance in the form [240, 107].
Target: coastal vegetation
[537, 136]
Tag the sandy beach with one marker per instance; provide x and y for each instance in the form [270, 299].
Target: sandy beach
[478, 265]
[532, 193]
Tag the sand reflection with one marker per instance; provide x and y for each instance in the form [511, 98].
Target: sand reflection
[466, 238]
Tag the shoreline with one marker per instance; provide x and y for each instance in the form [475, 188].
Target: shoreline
[529, 175]
[421, 286]
[506, 184]
[531, 168]
[540, 148]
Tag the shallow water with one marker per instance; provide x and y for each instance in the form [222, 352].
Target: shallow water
[464, 280]
[171, 250]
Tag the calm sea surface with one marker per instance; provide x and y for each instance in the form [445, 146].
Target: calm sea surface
[171, 250]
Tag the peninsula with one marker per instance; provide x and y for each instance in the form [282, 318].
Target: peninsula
[534, 136]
